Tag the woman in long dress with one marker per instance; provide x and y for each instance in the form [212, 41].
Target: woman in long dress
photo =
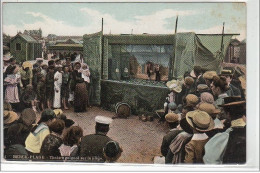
[79, 88]
[57, 87]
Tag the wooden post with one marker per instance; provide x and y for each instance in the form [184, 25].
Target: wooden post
[172, 59]
[101, 50]
[222, 38]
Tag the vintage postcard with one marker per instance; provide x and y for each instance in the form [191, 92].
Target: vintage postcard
[124, 82]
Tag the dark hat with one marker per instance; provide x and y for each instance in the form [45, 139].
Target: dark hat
[47, 114]
[226, 73]
[28, 116]
[185, 126]
[112, 149]
[229, 101]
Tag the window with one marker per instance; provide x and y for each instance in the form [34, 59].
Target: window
[18, 46]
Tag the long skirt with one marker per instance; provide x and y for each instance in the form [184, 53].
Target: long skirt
[80, 97]
[57, 99]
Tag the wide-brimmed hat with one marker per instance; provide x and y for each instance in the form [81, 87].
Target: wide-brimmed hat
[172, 117]
[200, 120]
[174, 85]
[209, 75]
[28, 116]
[27, 64]
[232, 101]
[209, 108]
[188, 81]
[10, 116]
[185, 126]
[192, 99]
[202, 87]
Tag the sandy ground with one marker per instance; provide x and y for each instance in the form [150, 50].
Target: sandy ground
[141, 141]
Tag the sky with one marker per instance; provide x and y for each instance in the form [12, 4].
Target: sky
[123, 18]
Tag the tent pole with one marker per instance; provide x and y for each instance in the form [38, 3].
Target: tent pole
[222, 38]
[172, 60]
[101, 50]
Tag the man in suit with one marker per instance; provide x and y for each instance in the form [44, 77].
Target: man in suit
[91, 147]
[173, 122]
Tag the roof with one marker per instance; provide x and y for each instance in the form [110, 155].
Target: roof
[62, 46]
[26, 38]
[67, 45]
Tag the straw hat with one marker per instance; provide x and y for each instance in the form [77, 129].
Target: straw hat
[209, 75]
[27, 64]
[226, 72]
[172, 117]
[209, 108]
[192, 99]
[58, 112]
[174, 85]
[189, 80]
[200, 121]
[10, 116]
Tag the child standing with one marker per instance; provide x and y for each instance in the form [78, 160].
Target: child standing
[41, 91]
[65, 86]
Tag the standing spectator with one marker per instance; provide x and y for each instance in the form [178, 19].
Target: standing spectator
[92, 145]
[200, 122]
[41, 91]
[38, 63]
[86, 76]
[11, 92]
[65, 86]
[12, 62]
[79, 87]
[36, 73]
[6, 63]
[34, 141]
[71, 140]
[52, 142]
[57, 87]
[50, 86]
[26, 74]
[232, 90]
[44, 69]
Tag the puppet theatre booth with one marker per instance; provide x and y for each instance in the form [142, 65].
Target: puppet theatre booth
[120, 64]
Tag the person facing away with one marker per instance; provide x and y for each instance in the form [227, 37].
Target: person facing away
[231, 143]
[200, 122]
[52, 142]
[91, 146]
[112, 151]
[34, 141]
[71, 140]
[173, 121]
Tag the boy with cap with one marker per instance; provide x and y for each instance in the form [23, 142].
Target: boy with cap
[200, 122]
[92, 145]
[232, 91]
[173, 122]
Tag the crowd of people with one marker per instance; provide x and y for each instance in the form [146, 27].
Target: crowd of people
[206, 115]
[54, 85]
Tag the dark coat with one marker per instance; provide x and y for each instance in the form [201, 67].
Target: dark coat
[236, 147]
[91, 147]
[12, 151]
[167, 139]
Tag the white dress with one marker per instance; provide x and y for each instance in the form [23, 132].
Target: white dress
[57, 86]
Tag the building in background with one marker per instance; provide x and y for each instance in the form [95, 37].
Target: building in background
[36, 34]
[236, 52]
[24, 47]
